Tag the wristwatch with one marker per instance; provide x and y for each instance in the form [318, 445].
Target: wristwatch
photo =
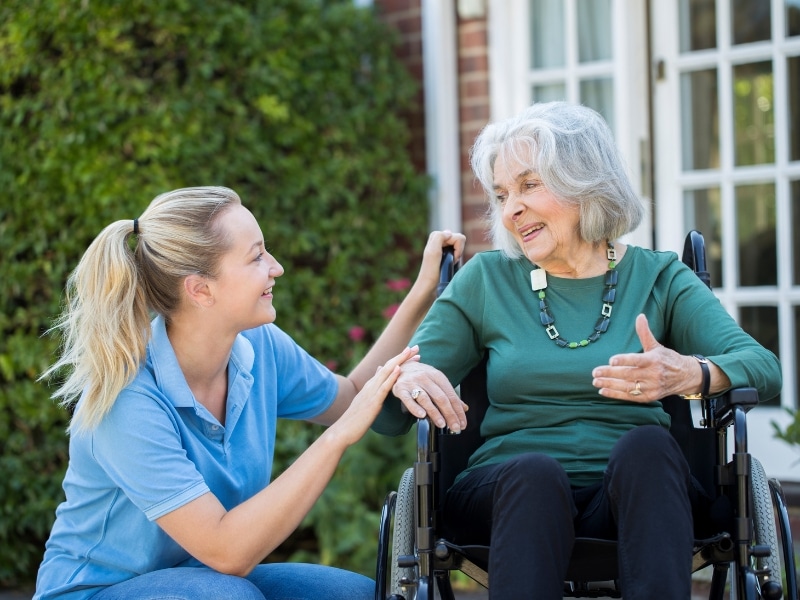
[706, 379]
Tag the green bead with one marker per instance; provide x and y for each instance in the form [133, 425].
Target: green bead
[541, 294]
[573, 344]
[612, 264]
[584, 342]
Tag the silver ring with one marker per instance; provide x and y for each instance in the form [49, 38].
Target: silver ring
[415, 393]
[636, 391]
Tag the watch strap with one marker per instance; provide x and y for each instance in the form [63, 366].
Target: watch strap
[706, 387]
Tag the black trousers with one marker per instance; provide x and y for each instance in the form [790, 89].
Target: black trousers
[527, 511]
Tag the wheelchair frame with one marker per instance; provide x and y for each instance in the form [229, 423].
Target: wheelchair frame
[420, 556]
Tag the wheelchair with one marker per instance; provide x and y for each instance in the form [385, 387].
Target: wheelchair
[746, 555]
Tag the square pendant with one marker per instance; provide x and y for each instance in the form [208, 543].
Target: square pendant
[538, 279]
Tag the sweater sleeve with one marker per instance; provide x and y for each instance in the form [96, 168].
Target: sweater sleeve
[699, 324]
[448, 339]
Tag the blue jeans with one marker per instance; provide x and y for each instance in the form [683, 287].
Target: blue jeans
[273, 581]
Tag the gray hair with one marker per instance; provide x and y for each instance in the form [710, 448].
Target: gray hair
[573, 151]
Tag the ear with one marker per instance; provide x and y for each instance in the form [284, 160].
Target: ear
[197, 290]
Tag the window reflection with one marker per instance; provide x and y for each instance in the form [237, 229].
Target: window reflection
[751, 21]
[754, 115]
[762, 323]
[699, 120]
[755, 227]
[793, 73]
[795, 208]
[547, 34]
[792, 17]
[698, 25]
[594, 29]
[549, 92]
[599, 95]
[702, 211]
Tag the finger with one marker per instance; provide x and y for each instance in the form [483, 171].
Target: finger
[649, 342]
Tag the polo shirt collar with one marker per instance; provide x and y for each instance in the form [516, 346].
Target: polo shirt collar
[169, 377]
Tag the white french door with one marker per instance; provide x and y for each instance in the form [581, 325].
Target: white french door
[726, 108]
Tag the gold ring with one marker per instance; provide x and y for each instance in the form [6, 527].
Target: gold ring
[636, 391]
[416, 392]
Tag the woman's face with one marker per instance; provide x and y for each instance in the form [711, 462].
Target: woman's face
[243, 290]
[546, 229]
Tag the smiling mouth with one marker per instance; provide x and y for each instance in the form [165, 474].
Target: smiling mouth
[529, 230]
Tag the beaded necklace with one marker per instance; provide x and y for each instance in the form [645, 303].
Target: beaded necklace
[539, 283]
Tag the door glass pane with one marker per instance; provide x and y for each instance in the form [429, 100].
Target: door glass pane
[754, 115]
[755, 218]
[549, 92]
[751, 21]
[793, 73]
[792, 17]
[547, 34]
[699, 120]
[702, 211]
[762, 323]
[594, 30]
[795, 207]
[599, 95]
[698, 25]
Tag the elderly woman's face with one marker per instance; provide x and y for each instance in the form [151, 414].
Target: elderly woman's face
[545, 228]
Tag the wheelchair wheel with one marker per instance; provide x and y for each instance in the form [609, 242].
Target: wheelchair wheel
[403, 537]
[764, 521]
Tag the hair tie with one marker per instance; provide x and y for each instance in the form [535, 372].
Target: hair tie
[136, 227]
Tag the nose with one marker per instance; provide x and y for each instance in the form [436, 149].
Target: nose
[513, 207]
[275, 268]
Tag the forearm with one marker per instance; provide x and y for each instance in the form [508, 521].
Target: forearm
[397, 333]
[237, 540]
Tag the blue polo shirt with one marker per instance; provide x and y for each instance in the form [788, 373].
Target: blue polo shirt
[158, 449]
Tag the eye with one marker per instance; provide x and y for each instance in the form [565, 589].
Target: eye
[259, 257]
[532, 185]
[501, 198]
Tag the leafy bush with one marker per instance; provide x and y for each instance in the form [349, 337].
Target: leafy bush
[292, 103]
[790, 435]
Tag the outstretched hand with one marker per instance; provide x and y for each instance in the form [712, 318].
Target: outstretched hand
[364, 408]
[643, 377]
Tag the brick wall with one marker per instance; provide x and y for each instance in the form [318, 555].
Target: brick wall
[405, 16]
[473, 104]
[474, 113]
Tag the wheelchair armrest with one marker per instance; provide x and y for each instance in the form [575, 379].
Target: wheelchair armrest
[722, 409]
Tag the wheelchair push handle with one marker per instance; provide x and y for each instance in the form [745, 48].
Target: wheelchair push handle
[447, 269]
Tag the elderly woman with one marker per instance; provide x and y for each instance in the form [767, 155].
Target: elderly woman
[577, 442]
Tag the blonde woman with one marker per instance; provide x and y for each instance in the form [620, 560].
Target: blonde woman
[168, 491]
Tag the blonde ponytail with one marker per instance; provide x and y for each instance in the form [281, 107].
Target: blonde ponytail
[106, 321]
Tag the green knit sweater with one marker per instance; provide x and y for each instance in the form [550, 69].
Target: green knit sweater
[541, 396]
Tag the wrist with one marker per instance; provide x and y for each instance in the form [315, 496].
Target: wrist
[705, 385]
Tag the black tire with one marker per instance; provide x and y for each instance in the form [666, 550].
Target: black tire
[766, 533]
[403, 537]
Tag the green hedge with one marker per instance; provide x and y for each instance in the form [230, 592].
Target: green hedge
[295, 104]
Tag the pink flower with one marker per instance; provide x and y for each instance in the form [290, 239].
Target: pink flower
[332, 365]
[398, 285]
[389, 311]
[356, 333]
